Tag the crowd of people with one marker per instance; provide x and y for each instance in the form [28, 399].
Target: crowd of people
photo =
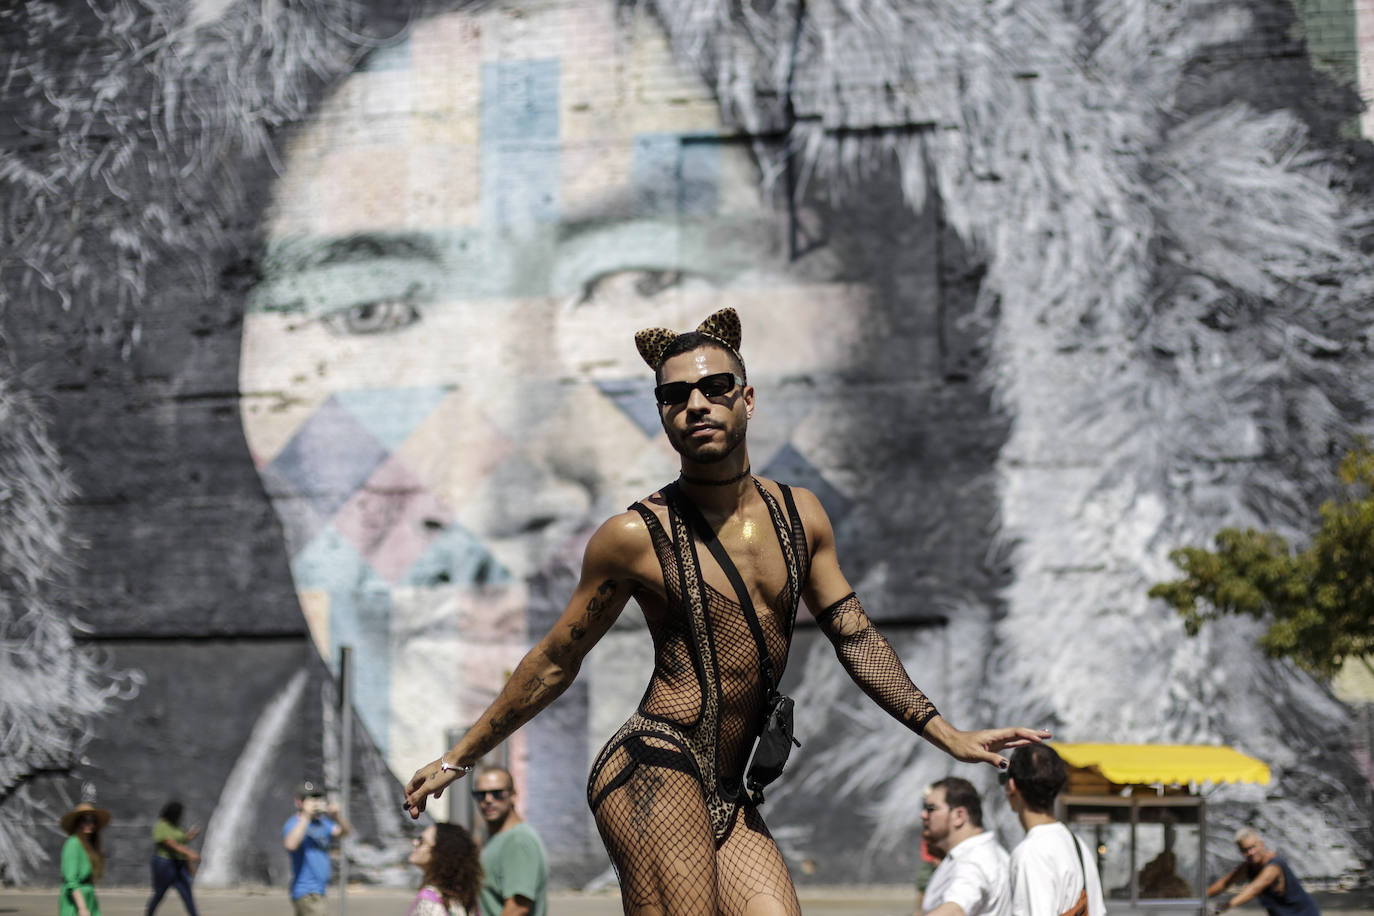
[507, 875]
[1050, 872]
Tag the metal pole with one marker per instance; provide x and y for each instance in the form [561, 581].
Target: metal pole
[345, 762]
[1202, 856]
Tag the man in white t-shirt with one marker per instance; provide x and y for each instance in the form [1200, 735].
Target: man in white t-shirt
[972, 877]
[1052, 872]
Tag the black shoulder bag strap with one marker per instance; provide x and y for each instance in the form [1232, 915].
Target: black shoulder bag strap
[1082, 868]
[708, 537]
[774, 738]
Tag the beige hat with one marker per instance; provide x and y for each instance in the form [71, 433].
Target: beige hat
[102, 817]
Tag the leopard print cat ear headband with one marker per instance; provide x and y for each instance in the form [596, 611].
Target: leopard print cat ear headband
[722, 327]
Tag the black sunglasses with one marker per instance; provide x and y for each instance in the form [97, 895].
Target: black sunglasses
[713, 386]
[498, 794]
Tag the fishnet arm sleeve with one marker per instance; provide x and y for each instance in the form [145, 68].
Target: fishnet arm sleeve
[873, 665]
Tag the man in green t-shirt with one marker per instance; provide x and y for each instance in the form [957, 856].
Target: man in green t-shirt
[517, 871]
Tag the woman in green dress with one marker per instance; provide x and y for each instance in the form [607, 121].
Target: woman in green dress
[82, 863]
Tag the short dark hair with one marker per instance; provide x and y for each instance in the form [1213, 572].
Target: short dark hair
[694, 340]
[959, 793]
[171, 813]
[1040, 775]
[493, 768]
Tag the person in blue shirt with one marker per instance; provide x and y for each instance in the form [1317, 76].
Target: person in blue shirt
[1267, 877]
[307, 835]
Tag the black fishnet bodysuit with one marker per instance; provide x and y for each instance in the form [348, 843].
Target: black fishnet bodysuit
[666, 789]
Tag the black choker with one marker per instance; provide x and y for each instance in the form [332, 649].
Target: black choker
[704, 482]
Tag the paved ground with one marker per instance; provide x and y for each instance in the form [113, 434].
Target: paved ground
[882, 900]
[367, 901]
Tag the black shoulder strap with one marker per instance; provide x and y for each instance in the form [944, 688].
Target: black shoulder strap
[708, 537]
[1082, 869]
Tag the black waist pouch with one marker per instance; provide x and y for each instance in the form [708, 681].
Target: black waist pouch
[774, 745]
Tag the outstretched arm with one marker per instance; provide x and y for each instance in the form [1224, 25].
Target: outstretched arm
[1266, 877]
[1225, 881]
[871, 661]
[607, 581]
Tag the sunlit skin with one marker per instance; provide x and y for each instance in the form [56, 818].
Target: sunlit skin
[707, 432]
[619, 561]
[1257, 871]
[935, 820]
[497, 810]
[423, 848]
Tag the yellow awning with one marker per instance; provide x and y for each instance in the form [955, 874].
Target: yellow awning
[1165, 764]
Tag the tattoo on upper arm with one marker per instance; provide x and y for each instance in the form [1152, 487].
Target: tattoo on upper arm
[596, 608]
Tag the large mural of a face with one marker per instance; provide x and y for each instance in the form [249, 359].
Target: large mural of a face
[441, 395]
[440, 386]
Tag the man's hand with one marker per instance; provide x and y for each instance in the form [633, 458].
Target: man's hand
[982, 746]
[428, 780]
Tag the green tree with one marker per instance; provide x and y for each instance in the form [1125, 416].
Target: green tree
[1319, 602]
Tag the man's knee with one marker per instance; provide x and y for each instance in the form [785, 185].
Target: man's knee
[770, 905]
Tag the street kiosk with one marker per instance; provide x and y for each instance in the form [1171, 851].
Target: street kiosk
[1143, 809]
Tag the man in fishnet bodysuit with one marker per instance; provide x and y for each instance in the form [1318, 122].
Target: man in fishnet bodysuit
[666, 791]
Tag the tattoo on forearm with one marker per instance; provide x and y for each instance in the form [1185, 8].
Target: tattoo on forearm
[534, 688]
[596, 607]
[501, 725]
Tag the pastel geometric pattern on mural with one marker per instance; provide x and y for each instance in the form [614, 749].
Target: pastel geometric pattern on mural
[300, 521]
[454, 447]
[392, 519]
[330, 562]
[520, 144]
[674, 175]
[328, 459]
[565, 449]
[456, 557]
[361, 619]
[789, 466]
[634, 397]
[699, 177]
[391, 414]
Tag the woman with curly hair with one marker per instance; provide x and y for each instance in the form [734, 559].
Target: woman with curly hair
[452, 872]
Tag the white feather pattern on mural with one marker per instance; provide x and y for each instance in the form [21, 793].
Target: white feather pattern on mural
[1180, 308]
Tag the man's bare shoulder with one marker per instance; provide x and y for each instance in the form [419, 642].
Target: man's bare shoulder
[809, 506]
[623, 544]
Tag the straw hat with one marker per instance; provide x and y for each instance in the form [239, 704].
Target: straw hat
[102, 817]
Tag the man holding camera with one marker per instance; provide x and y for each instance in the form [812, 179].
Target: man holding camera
[307, 836]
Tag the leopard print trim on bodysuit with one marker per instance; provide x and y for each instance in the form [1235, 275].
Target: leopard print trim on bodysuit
[694, 744]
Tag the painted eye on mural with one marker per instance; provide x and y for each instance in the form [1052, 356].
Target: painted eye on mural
[372, 317]
[636, 285]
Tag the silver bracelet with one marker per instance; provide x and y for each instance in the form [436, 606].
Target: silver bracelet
[462, 771]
